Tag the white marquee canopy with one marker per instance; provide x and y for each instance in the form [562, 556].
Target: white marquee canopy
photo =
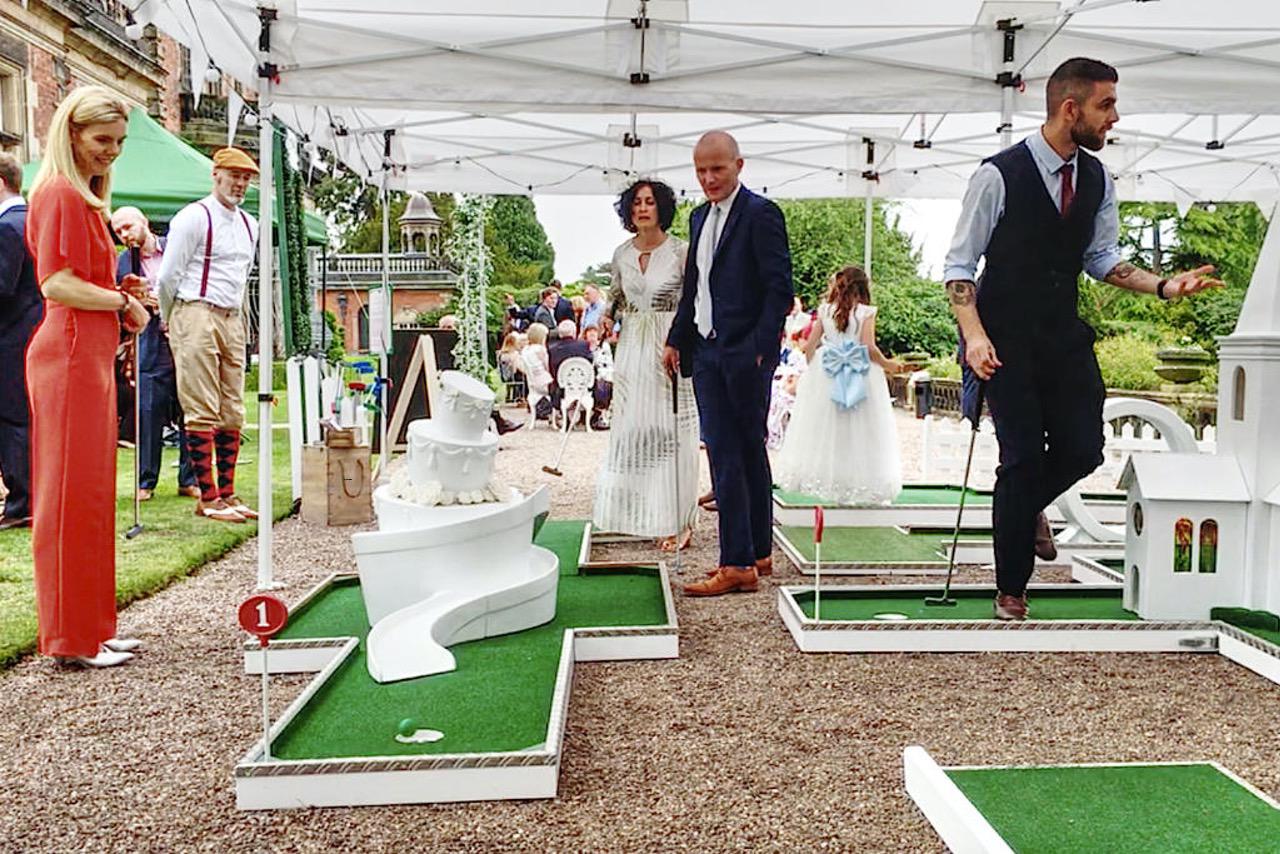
[578, 96]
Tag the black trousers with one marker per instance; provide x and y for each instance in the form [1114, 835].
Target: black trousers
[1046, 403]
[158, 408]
[733, 403]
[15, 441]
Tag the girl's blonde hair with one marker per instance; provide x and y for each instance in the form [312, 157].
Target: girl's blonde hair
[86, 105]
[537, 333]
[511, 343]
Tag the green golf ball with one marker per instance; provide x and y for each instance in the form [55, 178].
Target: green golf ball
[407, 727]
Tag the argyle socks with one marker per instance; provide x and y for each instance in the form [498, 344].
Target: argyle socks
[228, 445]
[200, 449]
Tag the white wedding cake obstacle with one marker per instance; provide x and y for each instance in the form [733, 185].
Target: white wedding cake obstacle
[453, 558]
[451, 455]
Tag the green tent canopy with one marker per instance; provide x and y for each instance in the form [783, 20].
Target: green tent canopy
[160, 174]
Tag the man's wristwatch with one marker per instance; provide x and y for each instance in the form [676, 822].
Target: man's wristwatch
[1160, 288]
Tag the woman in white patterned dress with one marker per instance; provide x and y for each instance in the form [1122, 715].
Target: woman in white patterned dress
[636, 487]
[841, 447]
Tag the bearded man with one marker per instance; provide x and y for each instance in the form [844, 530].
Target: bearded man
[1041, 212]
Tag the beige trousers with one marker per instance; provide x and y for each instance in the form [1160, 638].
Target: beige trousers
[208, 356]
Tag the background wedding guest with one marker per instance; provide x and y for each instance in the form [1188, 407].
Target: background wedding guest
[72, 384]
[594, 311]
[156, 383]
[20, 312]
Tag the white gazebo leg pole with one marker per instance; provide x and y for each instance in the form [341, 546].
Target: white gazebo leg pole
[384, 453]
[867, 230]
[266, 284]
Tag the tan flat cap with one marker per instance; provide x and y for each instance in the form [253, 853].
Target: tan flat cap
[234, 158]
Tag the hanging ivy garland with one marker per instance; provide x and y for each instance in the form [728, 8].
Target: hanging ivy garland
[468, 252]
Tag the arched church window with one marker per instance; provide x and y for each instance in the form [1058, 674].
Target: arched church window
[1209, 546]
[1182, 545]
[1237, 394]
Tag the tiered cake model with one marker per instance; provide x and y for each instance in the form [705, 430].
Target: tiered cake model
[450, 562]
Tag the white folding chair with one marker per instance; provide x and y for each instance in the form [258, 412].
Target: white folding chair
[576, 378]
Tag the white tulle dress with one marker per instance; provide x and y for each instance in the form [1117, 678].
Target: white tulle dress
[845, 456]
[636, 485]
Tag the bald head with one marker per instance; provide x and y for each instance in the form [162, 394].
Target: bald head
[131, 226]
[717, 161]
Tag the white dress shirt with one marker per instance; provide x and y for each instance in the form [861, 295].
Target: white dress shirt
[235, 234]
[11, 202]
[708, 240]
[984, 206]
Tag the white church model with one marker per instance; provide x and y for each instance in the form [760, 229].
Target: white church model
[1204, 529]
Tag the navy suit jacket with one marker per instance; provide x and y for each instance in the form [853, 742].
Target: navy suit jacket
[21, 304]
[751, 289]
[154, 356]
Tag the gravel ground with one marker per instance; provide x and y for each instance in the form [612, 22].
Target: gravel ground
[742, 743]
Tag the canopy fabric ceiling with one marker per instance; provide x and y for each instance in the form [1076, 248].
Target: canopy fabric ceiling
[502, 96]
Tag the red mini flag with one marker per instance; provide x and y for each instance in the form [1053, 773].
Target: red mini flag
[817, 524]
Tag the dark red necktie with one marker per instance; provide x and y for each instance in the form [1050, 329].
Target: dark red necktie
[1068, 192]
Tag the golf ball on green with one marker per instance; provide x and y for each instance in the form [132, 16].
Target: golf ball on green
[407, 727]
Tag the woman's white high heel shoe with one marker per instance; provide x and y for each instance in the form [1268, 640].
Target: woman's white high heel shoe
[122, 644]
[105, 658]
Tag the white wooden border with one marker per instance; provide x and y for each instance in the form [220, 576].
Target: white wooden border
[1085, 569]
[924, 515]
[963, 829]
[1249, 656]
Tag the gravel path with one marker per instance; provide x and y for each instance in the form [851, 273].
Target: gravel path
[742, 743]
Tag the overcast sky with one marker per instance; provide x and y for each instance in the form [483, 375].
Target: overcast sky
[584, 230]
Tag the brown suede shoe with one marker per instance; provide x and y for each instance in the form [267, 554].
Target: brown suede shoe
[218, 511]
[144, 494]
[191, 491]
[1011, 607]
[764, 566]
[728, 579]
[1046, 548]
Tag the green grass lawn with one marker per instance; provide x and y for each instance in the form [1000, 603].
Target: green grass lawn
[173, 544]
[870, 545]
[865, 603]
[1143, 808]
[498, 699]
[279, 412]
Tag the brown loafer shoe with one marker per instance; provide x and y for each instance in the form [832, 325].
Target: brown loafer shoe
[144, 494]
[728, 579]
[191, 491]
[218, 511]
[1012, 608]
[764, 566]
[234, 502]
[1046, 548]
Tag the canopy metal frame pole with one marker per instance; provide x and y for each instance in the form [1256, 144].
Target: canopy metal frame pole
[266, 284]
[384, 334]
[867, 229]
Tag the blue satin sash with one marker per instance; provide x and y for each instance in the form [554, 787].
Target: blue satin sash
[847, 363]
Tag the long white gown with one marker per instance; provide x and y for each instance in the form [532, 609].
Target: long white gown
[844, 456]
[636, 486]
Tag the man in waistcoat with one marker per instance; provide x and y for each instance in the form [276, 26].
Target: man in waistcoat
[21, 308]
[203, 279]
[1041, 212]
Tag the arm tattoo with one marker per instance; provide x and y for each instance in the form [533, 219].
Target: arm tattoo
[961, 292]
[1122, 271]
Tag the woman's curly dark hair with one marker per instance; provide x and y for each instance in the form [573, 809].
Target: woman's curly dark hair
[662, 194]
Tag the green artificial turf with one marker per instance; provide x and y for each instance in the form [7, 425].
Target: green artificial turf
[1162, 809]
[1262, 624]
[173, 544]
[864, 603]
[498, 699]
[870, 545]
[910, 495]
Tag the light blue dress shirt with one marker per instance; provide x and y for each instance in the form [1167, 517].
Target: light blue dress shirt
[592, 315]
[984, 206]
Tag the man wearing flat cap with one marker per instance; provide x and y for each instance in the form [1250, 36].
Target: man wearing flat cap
[203, 276]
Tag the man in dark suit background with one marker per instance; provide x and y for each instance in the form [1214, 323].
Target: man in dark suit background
[157, 384]
[725, 334]
[21, 308]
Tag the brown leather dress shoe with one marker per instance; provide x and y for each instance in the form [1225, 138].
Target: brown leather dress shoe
[144, 494]
[728, 579]
[1046, 548]
[1011, 607]
[191, 491]
[764, 566]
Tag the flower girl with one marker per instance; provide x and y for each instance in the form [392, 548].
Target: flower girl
[842, 445]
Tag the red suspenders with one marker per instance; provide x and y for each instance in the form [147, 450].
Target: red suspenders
[208, 245]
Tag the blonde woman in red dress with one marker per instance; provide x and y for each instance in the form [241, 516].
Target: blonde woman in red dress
[70, 373]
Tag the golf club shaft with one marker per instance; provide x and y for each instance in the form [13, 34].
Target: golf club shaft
[555, 468]
[675, 421]
[964, 489]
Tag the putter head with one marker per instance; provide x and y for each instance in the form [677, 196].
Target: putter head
[553, 471]
[940, 601]
[133, 532]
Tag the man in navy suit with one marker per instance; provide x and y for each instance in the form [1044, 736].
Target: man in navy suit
[157, 384]
[725, 334]
[21, 308]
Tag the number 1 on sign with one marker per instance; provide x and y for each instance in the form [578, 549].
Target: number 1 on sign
[263, 622]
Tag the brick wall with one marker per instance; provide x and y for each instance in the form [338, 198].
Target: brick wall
[50, 84]
[170, 55]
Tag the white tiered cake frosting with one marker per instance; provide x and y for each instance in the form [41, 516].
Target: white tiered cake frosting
[451, 454]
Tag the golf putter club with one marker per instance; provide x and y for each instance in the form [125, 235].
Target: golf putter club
[945, 599]
[675, 412]
[135, 261]
[568, 422]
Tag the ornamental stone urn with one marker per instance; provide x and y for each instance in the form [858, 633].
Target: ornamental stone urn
[1184, 364]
